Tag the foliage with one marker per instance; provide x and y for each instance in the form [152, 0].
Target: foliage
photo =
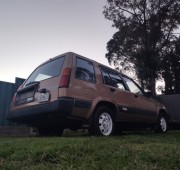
[171, 68]
[128, 151]
[145, 29]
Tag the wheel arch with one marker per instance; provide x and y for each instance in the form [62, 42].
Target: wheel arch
[164, 112]
[108, 104]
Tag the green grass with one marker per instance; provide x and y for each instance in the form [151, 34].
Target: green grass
[129, 152]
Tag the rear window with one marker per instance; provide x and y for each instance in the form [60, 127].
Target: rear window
[46, 71]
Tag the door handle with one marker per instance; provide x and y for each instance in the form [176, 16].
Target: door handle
[112, 89]
[43, 90]
[136, 96]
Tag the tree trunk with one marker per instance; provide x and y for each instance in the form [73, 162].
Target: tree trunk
[168, 81]
[177, 82]
[153, 86]
[153, 83]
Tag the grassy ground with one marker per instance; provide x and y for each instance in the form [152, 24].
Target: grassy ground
[80, 152]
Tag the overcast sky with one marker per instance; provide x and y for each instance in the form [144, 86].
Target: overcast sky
[32, 31]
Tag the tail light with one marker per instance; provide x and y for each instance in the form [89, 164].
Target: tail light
[65, 78]
[14, 97]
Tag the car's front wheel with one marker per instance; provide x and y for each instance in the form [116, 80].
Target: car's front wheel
[162, 125]
[104, 124]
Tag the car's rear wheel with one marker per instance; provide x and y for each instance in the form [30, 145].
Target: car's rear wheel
[103, 122]
[162, 125]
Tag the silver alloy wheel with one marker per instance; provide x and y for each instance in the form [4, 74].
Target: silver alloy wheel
[105, 123]
[163, 124]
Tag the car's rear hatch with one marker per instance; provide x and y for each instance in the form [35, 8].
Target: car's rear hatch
[41, 86]
[26, 95]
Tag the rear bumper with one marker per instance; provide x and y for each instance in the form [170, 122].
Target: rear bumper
[52, 112]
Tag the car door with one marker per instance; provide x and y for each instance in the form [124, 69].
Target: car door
[145, 110]
[119, 94]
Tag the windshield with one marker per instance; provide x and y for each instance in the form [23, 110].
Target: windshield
[46, 71]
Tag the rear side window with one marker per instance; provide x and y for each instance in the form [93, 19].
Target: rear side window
[48, 70]
[112, 79]
[85, 70]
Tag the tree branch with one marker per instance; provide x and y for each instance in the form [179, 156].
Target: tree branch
[145, 26]
[141, 10]
[168, 35]
[135, 14]
[126, 11]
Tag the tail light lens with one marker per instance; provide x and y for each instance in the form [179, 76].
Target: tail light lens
[14, 97]
[65, 78]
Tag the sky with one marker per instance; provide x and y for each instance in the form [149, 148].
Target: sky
[33, 31]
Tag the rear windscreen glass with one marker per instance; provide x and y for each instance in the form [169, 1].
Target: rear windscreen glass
[48, 70]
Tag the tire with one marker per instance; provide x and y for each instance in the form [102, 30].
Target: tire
[162, 125]
[103, 122]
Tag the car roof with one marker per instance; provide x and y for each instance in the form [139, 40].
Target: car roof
[86, 58]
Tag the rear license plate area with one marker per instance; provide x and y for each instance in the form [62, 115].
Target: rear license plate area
[42, 97]
[25, 96]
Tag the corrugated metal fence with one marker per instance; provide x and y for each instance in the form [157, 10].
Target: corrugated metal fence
[7, 90]
[172, 103]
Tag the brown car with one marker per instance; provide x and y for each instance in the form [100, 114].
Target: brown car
[71, 91]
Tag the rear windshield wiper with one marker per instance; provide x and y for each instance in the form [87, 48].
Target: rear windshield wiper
[32, 82]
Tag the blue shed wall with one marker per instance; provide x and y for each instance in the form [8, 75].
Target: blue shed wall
[172, 103]
[7, 90]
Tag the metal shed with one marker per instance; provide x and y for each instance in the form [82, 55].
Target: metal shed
[7, 90]
[172, 103]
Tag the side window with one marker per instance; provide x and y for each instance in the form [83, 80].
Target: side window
[85, 70]
[132, 86]
[112, 79]
[106, 77]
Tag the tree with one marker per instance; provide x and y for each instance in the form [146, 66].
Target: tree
[176, 67]
[145, 28]
[171, 67]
